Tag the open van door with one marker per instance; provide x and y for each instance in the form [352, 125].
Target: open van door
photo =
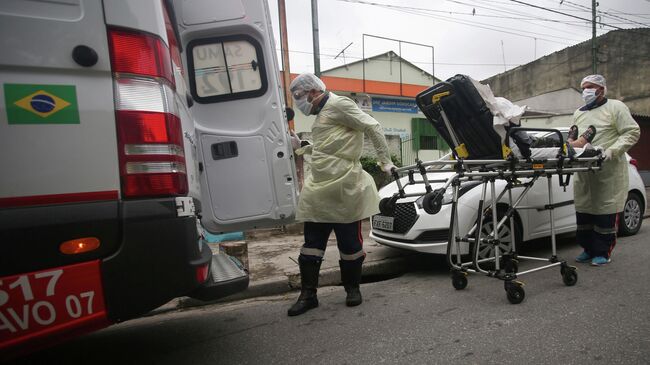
[246, 165]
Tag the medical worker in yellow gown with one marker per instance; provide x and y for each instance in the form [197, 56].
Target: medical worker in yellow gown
[600, 196]
[338, 193]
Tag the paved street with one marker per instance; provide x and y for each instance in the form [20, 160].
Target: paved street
[415, 318]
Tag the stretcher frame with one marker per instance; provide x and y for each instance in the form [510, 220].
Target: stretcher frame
[510, 169]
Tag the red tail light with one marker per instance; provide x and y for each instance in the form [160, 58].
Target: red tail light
[150, 136]
[148, 127]
[634, 162]
[173, 42]
[202, 273]
[140, 54]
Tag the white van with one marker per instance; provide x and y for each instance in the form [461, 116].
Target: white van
[122, 123]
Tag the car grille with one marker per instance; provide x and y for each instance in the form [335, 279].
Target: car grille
[433, 236]
[405, 217]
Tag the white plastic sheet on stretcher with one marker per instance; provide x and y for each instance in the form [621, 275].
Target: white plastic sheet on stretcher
[488, 145]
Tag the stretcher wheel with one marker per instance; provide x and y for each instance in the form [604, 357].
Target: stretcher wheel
[505, 237]
[387, 206]
[515, 292]
[459, 280]
[432, 202]
[569, 275]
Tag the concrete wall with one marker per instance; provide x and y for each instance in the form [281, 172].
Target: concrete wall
[564, 101]
[623, 58]
[548, 122]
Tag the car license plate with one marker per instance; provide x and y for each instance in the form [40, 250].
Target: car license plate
[48, 301]
[383, 222]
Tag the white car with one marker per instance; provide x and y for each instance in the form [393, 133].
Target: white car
[411, 228]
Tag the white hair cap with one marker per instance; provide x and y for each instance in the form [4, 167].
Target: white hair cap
[306, 82]
[595, 79]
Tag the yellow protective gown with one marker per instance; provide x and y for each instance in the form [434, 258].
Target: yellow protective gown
[605, 191]
[338, 190]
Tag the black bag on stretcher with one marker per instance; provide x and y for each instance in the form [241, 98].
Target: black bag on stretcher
[471, 133]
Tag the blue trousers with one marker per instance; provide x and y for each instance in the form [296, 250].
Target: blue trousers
[349, 239]
[597, 233]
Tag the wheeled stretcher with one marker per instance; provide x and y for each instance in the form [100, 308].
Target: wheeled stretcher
[480, 153]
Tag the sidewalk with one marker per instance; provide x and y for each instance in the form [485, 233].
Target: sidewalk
[273, 264]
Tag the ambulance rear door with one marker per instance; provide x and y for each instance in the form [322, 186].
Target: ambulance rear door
[246, 165]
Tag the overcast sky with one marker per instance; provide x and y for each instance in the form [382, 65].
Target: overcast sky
[480, 38]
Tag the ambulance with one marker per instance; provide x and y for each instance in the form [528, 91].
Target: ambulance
[126, 128]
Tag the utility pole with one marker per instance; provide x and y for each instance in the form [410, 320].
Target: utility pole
[314, 26]
[503, 54]
[284, 49]
[594, 46]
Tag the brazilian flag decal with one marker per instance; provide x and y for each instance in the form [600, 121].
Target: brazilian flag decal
[41, 104]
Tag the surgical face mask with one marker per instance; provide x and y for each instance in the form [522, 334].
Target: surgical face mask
[303, 105]
[589, 96]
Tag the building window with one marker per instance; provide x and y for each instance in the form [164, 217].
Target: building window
[425, 136]
[428, 143]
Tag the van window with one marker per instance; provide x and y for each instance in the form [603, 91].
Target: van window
[226, 68]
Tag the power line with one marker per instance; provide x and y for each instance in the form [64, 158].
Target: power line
[507, 2]
[429, 13]
[603, 12]
[622, 18]
[506, 30]
[569, 15]
[501, 9]
[331, 56]
[573, 16]
[417, 11]
[422, 12]
[639, 15]
[577, 7]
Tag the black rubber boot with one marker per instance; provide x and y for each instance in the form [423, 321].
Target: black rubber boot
[308, 285]
[351, 278]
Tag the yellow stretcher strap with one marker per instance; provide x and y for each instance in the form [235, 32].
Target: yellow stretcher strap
[461, 151]
[564, 148]
[436, 97]
[506, 151]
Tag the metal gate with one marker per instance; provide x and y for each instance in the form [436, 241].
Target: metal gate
[408, 152]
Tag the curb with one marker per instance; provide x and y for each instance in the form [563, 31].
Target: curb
[287, 283]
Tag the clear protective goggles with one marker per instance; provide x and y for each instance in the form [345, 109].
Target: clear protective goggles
[299, 94]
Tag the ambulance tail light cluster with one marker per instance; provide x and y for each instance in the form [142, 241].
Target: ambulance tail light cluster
[174, 49]
[150, 142]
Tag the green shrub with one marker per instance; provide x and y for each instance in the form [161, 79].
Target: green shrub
[369, 164]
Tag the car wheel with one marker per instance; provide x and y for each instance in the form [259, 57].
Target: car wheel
[505, 236]
[630, 219]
